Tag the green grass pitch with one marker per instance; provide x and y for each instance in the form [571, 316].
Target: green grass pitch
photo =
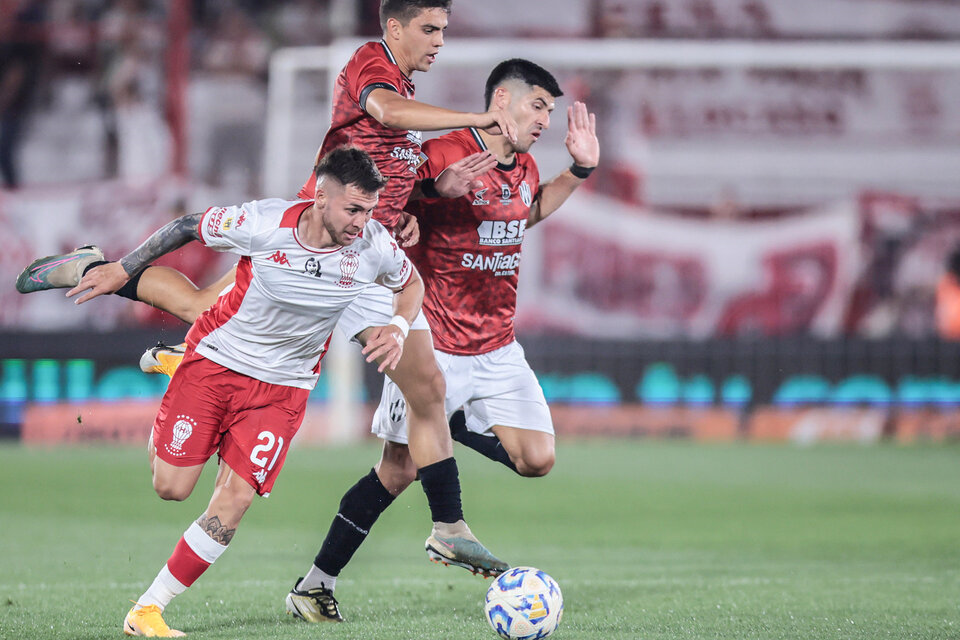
[648, 540]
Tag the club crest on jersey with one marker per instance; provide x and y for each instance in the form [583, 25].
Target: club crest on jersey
[349, 264]
[504, 194]
[478, 199]
[182, 429]
[312, 266]
[498, 233]
[525, 194]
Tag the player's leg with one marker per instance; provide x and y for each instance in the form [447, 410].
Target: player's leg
[259, 422]
[311, 598]
[507, 418]
[200, 546]
[161, 287]
[531, 452]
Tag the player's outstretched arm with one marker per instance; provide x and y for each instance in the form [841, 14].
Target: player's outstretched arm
[584, 147]
[385, 343]
[109, 277]
[392, 110]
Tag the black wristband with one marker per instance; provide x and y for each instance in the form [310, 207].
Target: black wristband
[428, 188]
[581, 172]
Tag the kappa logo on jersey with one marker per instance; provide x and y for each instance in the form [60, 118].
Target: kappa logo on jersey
[349, 264]
[502, 264]
[182, 429]
[498, 233]
[280, 258]
[505, 194]
[260, 476]
[478, 199]
[214, 219]
[525, 195]
[312, 266]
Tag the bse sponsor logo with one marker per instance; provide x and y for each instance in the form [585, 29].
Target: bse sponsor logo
[501, 232]
[348, 268]
[501, 264]
[280, 258]
[182, 429]
[312, 266]
[214, 219]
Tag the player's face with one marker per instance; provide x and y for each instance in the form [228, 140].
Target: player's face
[532, 111]
[422, 37]
[346, 209]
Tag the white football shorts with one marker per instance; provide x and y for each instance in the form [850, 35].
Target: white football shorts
[495, 388]
[372, 308]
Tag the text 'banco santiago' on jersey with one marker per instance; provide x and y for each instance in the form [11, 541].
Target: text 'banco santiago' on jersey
[469, 250]
[275, 323]
[396, 152]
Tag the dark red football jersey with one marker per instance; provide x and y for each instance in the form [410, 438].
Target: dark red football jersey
[469, 249]
[396, 152]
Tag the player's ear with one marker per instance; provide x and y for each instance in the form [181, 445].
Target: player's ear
[393, 28]
[501, 97]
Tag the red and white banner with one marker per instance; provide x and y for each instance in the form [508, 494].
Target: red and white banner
[601, 268]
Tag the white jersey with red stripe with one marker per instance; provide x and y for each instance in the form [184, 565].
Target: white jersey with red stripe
[275, 323]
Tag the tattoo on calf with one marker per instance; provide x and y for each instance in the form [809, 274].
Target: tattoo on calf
[212, 527]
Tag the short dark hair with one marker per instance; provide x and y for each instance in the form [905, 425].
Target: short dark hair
[407, 10]
[351, 165]
[523, 70]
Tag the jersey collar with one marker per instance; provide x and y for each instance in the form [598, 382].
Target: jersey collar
[483, 147]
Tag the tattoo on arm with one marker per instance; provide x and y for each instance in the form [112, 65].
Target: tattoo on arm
[212, 527]
[164, 240]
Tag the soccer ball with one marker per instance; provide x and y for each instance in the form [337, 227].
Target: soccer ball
[524, 603]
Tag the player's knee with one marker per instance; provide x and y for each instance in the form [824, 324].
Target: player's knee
[535, 464]
[169, 489]
[428, 390]
[396, 468]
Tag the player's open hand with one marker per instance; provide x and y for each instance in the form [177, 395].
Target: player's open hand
[385, 344]
[463, 176]
[501, 123]
[408, 230]
[581, 140]
[98, 281]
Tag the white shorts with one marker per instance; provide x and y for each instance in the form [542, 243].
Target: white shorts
[372, 308]
[496, 388]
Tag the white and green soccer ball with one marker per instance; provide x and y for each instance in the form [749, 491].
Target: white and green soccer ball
[524, 603]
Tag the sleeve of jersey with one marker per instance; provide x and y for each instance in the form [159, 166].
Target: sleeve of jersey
[228, 228]
[395, 267]
[371, 74]
[435, 151]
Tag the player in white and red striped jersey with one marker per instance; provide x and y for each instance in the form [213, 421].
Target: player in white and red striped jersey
[469, 258]
[254, 356]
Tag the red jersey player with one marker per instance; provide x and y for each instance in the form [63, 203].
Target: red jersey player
[469, 257]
